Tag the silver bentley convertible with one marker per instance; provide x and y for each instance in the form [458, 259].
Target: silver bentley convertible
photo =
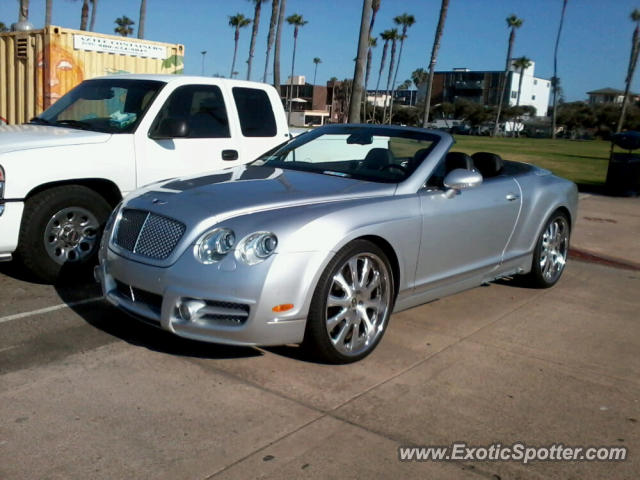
[319, 240]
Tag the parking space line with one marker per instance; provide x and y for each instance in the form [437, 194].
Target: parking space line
[18, 316]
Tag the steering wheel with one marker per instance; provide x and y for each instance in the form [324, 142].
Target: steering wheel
[391, 166]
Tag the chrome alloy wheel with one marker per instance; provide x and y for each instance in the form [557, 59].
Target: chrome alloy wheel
[555, 246]
[71, 235]
[358, 304]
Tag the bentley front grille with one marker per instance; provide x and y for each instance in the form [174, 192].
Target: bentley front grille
[148, 234]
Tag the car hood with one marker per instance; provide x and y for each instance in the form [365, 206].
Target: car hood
[25, 137]
[247, 189]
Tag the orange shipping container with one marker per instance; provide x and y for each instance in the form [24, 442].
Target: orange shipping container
[39, 66]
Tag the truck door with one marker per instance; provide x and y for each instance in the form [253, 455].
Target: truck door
[208, 144]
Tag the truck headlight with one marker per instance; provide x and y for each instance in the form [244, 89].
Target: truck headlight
[256, 247]
[214, 245]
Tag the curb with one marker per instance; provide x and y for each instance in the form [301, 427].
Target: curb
[587, 256]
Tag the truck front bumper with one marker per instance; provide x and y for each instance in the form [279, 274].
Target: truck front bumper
[10, 219]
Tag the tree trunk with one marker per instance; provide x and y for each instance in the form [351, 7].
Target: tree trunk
[293, 63]
[555, 72]
[395, 74]
[235, 51]
[503, 83]
[358, 74]
[254, 35]
[23, 11]
[271, 36]
[315, 74]
[84, 16]
[434, 56]
[385, 47]
[389, 78]
[94, 9]
[276, 50]
[366, 82]
[143, 18]
[635, 49]
[48, 12]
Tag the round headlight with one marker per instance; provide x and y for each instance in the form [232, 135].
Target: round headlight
[256, 247]
[214, 245]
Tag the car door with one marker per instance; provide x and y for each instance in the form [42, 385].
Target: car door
[208, 145]
[463, 237]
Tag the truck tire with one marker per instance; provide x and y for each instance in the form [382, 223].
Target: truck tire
[60, 232]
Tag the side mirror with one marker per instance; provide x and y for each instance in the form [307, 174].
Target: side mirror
[460, 179]
[171, 127]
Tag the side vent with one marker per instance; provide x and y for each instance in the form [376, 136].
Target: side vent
[22, 45]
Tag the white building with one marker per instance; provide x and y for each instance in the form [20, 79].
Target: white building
[535, 91]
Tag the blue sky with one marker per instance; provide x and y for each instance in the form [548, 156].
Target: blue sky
[594, 49]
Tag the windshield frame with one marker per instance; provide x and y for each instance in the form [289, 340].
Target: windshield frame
[348, 129]
[47, 117]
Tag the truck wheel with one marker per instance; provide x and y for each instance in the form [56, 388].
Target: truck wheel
[351, 305]
[60, 231]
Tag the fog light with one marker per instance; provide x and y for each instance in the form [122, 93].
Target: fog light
[282, 307]
[188, 309]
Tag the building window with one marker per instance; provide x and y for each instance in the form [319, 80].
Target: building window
[533, 97]
[535, 81]
[514, 94]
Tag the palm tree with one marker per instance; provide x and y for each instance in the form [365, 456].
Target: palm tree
[375, 6]
[84, 15]
[405, 21]
[513, 23]
[434, 56]
[3, 28]
[124, 26]
[143, 18]
[316, 61]
[276, 50]
[373, 42]
[419, 76]
[555, 82]
[254, 34]
[521, 63]
[237, 22]
[23, 11]
[271, 36]
[406, 85]
[394, 41]
[296, 21]
[48, 11]
[387, 36]
[361, 63]
[633, 60]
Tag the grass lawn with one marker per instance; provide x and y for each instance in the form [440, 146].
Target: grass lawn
[583, 161]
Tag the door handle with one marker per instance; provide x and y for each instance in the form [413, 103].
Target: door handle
[229, 154]
[512, 196]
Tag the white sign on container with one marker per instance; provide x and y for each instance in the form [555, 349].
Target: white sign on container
[123, 47]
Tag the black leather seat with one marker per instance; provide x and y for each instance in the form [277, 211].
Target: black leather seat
[455, 160]
[488, 164]
[377, 159]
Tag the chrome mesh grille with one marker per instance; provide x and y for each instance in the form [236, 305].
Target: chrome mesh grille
[148, 234]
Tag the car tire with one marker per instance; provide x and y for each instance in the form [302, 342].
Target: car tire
[60, 232]
[349, 314]
[551, 250]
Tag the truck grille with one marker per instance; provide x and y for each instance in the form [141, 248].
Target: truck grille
[148, 234]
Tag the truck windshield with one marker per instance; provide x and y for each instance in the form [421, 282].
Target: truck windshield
[105, 105]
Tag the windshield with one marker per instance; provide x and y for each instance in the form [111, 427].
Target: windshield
[106, 105]
[377, 154]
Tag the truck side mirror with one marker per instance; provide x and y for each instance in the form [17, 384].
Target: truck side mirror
[171, 127]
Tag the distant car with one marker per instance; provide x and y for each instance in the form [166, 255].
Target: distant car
[320, 239]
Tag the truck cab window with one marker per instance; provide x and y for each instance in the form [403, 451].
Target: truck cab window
[255, 112]
[203, 108]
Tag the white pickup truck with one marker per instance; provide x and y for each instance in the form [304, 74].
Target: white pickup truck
[62, 174]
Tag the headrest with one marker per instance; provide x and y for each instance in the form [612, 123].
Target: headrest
[488, 164]
[377, 158]
[455, 160]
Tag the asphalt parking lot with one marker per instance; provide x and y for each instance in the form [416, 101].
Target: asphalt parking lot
[86, 392]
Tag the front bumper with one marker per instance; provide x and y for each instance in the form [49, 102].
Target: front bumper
[10, 228]
[236, 299]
